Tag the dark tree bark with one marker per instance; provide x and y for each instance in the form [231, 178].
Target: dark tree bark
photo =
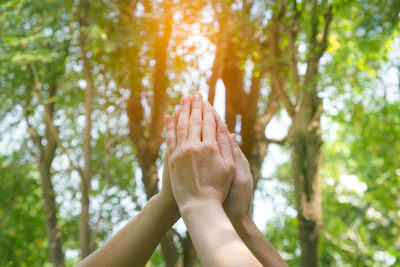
[305, 135]
[189, 254]
[45, 159]
[84, 219]
[50, 209]
[306, 149]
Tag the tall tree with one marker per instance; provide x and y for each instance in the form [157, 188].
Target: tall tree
[86, 175]
[305, 135]
[280, 35]
[37, 75]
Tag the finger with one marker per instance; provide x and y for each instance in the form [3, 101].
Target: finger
[176, 115]
[183, 121]
[165, 165]
[209, 126]
[224, 142]
[195, 122]
[217, 118]
[234, 148]
[170, 133]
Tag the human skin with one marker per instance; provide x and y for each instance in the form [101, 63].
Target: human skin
[134, 244]
[238, 205]
[238, 208]
[202, 168]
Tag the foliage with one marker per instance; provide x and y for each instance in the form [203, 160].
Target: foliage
[22, 239]
[39, 47]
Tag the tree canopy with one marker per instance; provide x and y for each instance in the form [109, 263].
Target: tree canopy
[311, 88]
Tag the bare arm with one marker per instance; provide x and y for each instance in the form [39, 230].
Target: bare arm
[258, 244]
[215, 239]
[134, 244]
[201, 174]
[238, 207]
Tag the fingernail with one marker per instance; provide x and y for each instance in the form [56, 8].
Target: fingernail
[166, 119]
[196, 96]
[184, 100]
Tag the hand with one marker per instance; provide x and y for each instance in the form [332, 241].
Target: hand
[166, 191]
[166, 194]
[201, 167]
[238, 203]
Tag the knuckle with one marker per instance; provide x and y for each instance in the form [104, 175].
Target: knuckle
[192, 150]
[195, 121]
[170, 140]
[210, 148]
[208, 122]
[181, 127]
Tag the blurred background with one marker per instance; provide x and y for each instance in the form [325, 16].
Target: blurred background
[310, 87]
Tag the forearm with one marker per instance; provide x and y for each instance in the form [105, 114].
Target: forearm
[213, 236]
[134, 244]
[258, 244]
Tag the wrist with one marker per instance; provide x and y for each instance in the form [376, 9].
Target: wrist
[167, 203]
[195, 205]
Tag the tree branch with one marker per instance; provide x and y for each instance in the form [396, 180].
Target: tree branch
[49, 120]
[277, 141]
[294, 29]
[324, 42]
[286, 100]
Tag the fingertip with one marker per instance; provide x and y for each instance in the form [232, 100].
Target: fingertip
[197, 96]
[233, 138]
[167, 119]
[217, 118]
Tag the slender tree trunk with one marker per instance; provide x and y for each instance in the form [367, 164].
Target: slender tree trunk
[50, 209]
[189, 254]
[306, 149]
[232, 76]
[45, 159]
[84, 219]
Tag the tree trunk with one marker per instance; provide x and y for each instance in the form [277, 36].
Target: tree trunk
[189, 254]
[45, 159]
[306, 150]
[84, 225]
[50, 209]
[232, 76]
[169, 250]
[147, 137]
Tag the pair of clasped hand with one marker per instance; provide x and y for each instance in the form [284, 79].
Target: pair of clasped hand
[207, 181]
